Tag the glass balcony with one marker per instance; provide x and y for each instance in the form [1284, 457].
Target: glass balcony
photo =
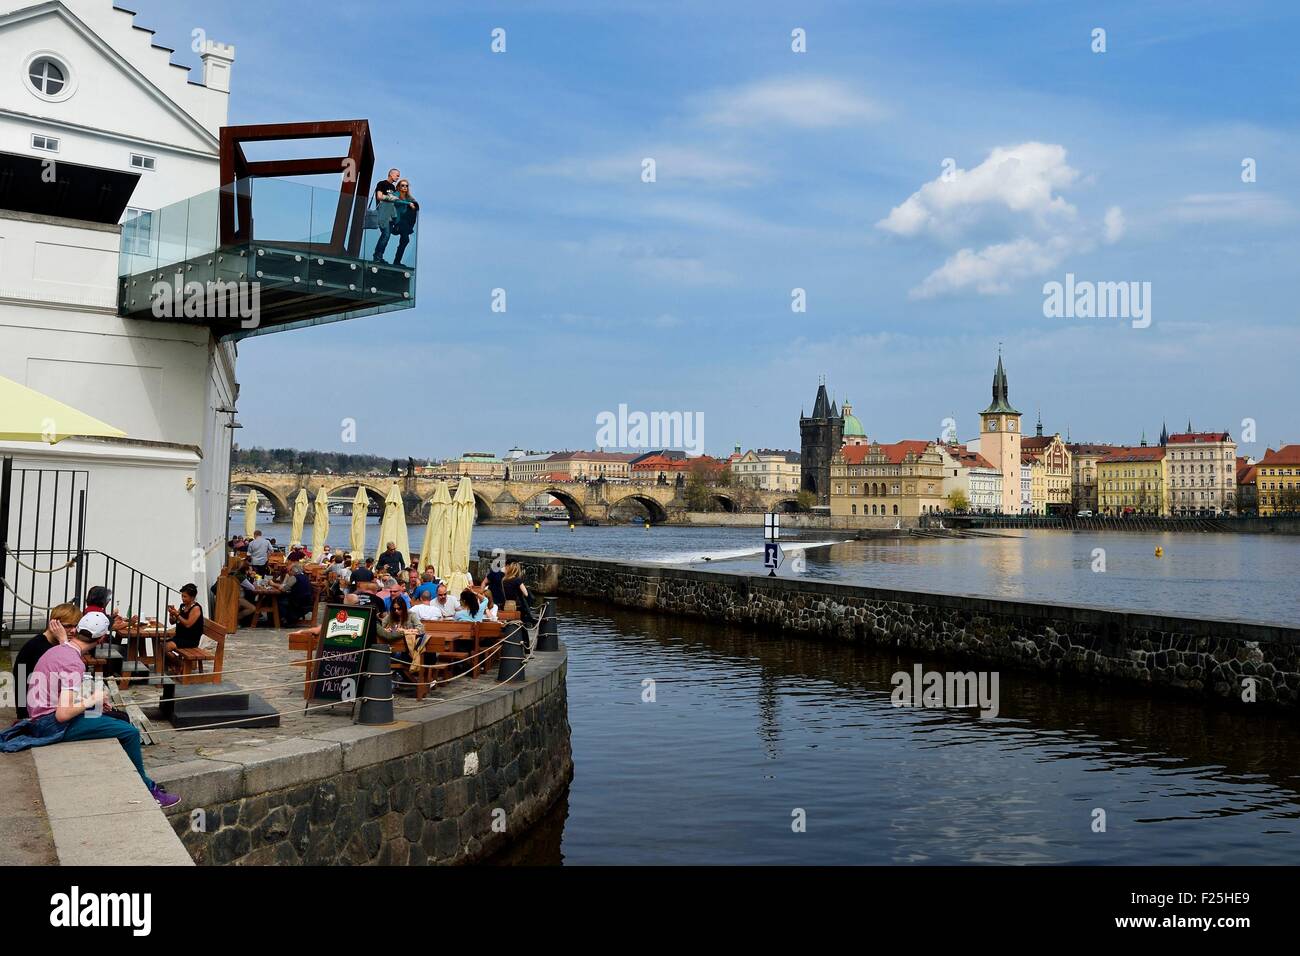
[264, 255]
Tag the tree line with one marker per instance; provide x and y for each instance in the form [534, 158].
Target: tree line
[294, 461]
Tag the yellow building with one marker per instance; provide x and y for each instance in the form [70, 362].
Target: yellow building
[1053, 475]
[899, 480]
[1277, 481]
[1133, 480]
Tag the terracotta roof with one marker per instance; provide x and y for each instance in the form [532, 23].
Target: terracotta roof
[894, 453]
[1036, 443]
[1286, 455]
[1138, 453]
[973, 459]
[1086, 449]
[1246, 472]
[1190, 438]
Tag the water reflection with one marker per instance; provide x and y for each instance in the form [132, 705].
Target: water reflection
[747, 727]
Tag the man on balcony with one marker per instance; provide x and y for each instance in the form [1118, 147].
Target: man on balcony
[385, 193]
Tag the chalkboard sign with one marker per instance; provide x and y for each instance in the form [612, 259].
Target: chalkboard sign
[344, 635]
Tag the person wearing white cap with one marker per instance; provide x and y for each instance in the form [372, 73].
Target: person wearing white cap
[58, 711]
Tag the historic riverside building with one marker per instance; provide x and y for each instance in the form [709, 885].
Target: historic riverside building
[1052, 476]
[999, 441]
[1133, 480]
[968, 472]
[821, 435]
[120, 175]
[1202, 473]
[1083, 481]
[1247, 487]
[98, 126]
[1278, 481]
[899, 480]
[769, 469]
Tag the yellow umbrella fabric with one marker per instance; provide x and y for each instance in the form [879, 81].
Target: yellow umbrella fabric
[357, 543]
[435, 533]
[392, 526]
[27, 415]
[299, 517]
[250, 514]
[320, 524]
[462, 527]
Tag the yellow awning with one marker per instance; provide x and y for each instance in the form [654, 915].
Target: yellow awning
[27, 415]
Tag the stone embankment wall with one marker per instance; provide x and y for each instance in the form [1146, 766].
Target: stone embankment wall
[449, 783]
[1197, 657]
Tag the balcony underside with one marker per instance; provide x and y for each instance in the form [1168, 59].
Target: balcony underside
[245, 290]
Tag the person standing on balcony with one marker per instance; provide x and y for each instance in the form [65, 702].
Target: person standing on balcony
[406, 209]
[385, 193]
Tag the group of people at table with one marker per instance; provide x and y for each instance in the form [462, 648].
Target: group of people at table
[405, 596]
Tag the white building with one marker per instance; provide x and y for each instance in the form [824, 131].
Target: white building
[1202, 473]
[1026, 487]
[768, 469]
[969, 472]
[96, 120]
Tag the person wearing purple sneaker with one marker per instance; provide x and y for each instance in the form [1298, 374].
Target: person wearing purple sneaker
[58, 710]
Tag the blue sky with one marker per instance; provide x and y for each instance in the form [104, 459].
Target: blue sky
[778, 170]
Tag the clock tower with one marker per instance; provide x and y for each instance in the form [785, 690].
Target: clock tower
[1000, 440]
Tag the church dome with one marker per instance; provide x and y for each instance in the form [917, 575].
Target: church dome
[852, 427]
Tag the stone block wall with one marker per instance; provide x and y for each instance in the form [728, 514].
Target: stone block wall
[1199, 657]
[451, 783]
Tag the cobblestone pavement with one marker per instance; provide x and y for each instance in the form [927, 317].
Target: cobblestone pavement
[267, 650]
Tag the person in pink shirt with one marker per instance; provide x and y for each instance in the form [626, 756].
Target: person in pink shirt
[58, 710]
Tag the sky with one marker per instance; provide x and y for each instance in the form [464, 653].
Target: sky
[921, 172]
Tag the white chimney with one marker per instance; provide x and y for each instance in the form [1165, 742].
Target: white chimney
[217, 58]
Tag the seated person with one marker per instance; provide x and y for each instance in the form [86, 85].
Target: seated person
[63, 620]
[58, 709]
[423, 610]
[296, 553]
[444, 608]
[469, 607]
[428, 584]
[364, 573]
[188, 621]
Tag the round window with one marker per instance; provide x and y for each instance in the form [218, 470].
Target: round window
[47, 76]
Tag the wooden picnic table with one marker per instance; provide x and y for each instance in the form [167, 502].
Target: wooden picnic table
[136, 634]
[267, 599]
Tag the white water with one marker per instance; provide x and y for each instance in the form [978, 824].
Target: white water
[692, 557]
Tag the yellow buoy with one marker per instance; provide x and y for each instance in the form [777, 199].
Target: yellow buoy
[570, 525]
[1160, 552]
[537, 526]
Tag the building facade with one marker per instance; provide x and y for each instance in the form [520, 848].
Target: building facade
[1133, 480]
[109, 129]
[1278, 481]
[1202, 473]
[1247, 487]
[1083, 479]
[900, 480]
[1053, 484]
[476, 464]
[768, 469]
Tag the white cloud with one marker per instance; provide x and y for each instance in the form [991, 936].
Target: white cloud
[806, 102]
[991, 270]
[1243, 206]
[1114, 224]
[1019, 179]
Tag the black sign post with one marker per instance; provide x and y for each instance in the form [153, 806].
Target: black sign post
[340, 651]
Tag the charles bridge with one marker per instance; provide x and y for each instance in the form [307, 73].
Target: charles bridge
[501, 501]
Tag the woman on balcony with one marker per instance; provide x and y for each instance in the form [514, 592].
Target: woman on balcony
[406, 209]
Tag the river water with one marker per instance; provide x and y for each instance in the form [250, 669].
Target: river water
[748, 730]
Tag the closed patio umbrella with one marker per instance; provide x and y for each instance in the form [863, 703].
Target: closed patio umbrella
[320, 526]
[462, 527]
[357, 543]
[250, 514]
[28, 415]
[299, 517]
[434, 550]
[392, 526]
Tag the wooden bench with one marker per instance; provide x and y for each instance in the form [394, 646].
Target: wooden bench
[441, 638]
[191, 659]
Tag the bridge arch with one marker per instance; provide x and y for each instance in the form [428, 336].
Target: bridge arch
[373, 494]
[576, 514]
[283, 511]
[723, 503]
[658, 513]
[787, 506]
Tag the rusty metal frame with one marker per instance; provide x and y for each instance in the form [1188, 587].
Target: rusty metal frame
[237, 171]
